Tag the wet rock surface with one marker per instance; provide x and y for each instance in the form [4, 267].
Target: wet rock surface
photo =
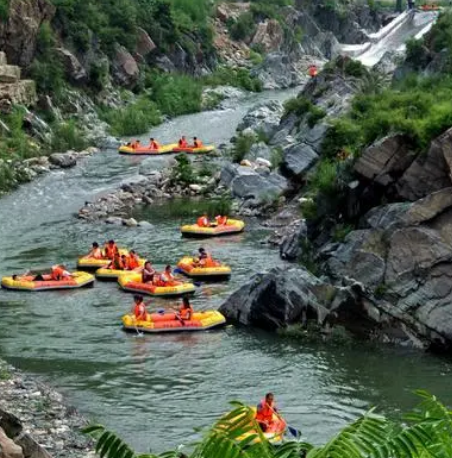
[35, 422]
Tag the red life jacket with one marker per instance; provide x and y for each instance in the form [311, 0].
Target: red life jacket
[110, 251]
[132, 262]
[57, 273]
[186, 314]
[140, 311]
[203, 221]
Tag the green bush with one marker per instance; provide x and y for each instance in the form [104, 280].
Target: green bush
[237, 77]
[183, 172]
[324, 178]
[297, 105]
[354, 68]
[242, 147]
[4, 10]
[66, 135]
[315, 115]
[416, 53]
[176, 94]
[276, 157]
[244, 27]
[133, 119]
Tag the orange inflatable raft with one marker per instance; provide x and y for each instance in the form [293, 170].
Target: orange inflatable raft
[146, 151]
[26, 283]
[132, 283]
[168, 322]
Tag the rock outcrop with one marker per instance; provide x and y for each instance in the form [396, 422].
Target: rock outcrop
[263, 117]
[19, 33]
[124, 67]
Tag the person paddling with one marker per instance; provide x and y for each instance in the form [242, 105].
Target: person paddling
[96, 252]
[265, 410]
[197, 143]
[183, 142]
[153, 144]
[185, 312]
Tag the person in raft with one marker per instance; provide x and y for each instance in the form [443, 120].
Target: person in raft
[110, 249]
[58, 272]
[221, 220]
[117, 262]
[265, 410]
[132, 261]
[135, 144]
[153, 144]
[167, 275]
[186, 311]
[147, 276]
[183, 142]
[96, 252]
[203, 221]
[139, 308]
[197, 143]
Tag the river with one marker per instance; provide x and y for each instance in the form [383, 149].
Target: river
[154, 390]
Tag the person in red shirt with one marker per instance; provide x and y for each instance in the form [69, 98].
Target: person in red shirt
[203, 221]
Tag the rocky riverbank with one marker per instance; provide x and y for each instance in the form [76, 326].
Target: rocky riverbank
[35, 422]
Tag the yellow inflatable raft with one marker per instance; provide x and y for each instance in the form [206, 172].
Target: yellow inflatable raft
[26, 283]
[187, 267]
[191, 150]
[133, 284]
[168, 322]
[274, 434]
[113, 274]
[145, 151]
[232, 226]
[91, 264]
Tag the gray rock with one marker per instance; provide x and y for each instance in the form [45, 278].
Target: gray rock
[275, 299]
[73, 68]
[263, 117]
[290, 247]
[109, 142]
[298, 159]
[115, 220]
[259, 150]
[63, 160]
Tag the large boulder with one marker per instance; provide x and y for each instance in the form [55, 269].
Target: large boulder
[63, 160]
[8, 449]
[73, 68]
[291, 247]
[275, 299]
[125, 68]
[403, 256]
[430, 172]
[298, 159]
[19, 33]
[144, 45]
[263, 117]
[278, 71]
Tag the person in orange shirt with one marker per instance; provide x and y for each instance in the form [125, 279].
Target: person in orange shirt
[96, 252]
[312, 71]
[203, 221]
[132, 261]
[153, 144]
[265, 410]
[183, 142]
[221, 220]
[197, 143]
[110, 249]
[139, 308]
[117, 263]
[59, 273]
[186, 311]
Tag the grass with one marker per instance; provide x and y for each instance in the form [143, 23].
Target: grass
[133, 119]
[236, 77]
[66, 136]
[242, 147]
[4, 10]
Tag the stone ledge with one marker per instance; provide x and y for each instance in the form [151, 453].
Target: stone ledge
[9, 73]
[22, 92]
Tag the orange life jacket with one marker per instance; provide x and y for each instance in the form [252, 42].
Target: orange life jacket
[221, 220]
[183, 143]
[312, 71]
[186, 314]
[132, 262]
[203, 221]
[154, 145]
[264, 412]
[110, 251]
[57, 273]
[140, 311]
[197, 144]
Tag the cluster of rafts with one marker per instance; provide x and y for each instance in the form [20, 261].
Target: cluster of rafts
[131, 281]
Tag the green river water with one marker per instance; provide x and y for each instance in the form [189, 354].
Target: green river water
[154, 390]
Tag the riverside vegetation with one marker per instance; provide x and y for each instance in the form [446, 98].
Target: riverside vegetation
[423, 433]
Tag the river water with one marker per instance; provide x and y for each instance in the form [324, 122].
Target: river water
[154, 390]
